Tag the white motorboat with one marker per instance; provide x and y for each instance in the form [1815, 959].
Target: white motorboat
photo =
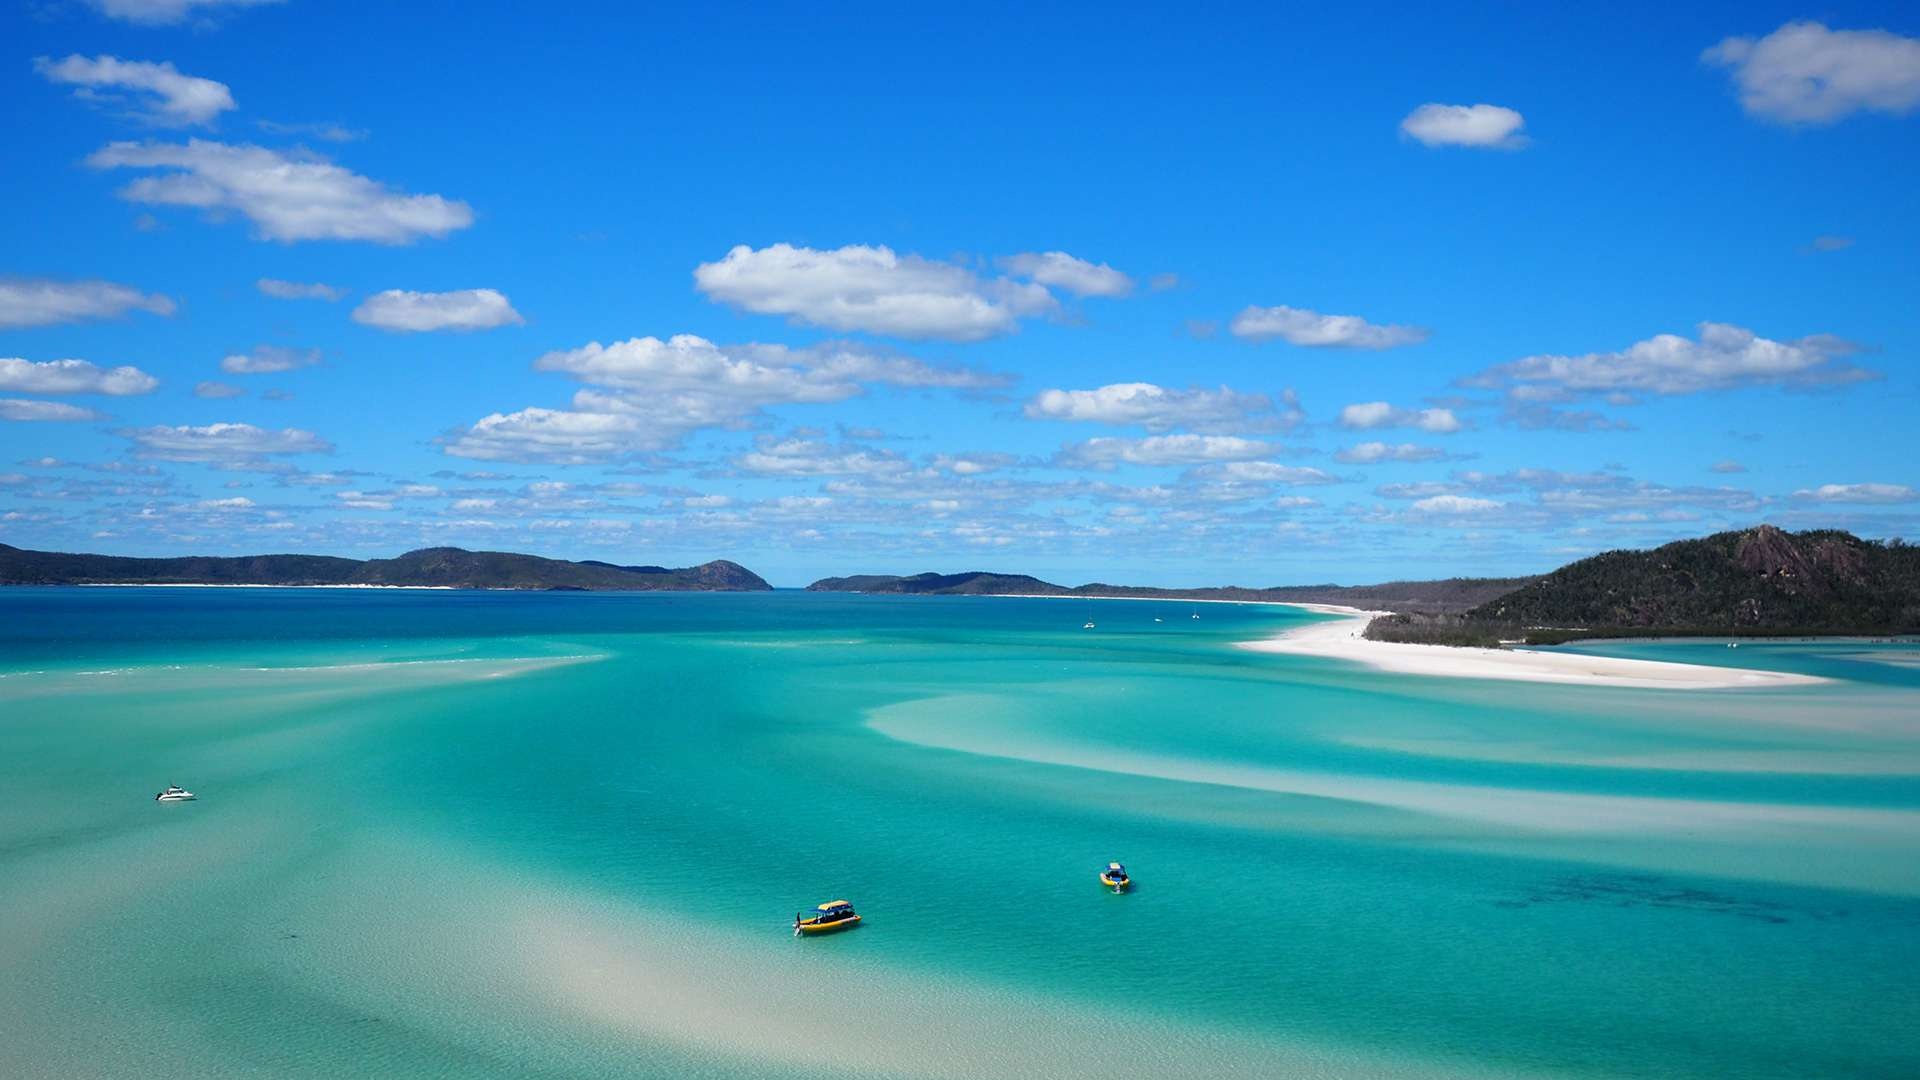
[175, 793]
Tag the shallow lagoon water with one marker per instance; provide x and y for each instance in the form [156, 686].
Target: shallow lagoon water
[474, 834]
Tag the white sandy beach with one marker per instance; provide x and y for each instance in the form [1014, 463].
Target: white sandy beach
[1341, 640]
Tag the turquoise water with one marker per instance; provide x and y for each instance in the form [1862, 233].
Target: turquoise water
[480, 834]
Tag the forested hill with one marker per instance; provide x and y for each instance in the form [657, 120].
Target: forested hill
[1453, 594]
[448, 567]
[1761, 578]
[1759, 581]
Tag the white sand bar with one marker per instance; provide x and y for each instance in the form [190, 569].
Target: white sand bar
[1341, 640]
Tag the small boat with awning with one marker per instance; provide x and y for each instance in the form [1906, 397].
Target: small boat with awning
[826, 918]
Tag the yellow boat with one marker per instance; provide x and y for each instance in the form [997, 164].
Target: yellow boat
[1115, 877]
[828, 917]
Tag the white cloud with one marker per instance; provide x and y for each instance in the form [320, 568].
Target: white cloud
[166, 12]
[20, 409]
[1724, 357]
[1266, 472]
[1369, 453]
[324, 131]
[808, 457]
[1728, 466]
[221, 443]
[1859, 493]
[238, 502]
[751, 375]
[287, 197]
[1804, 73]
[1300, 326]
[359, 500]
[1455, 504]
[1380, 414]
[657, 392]
[1158, 408]
[973, 464]
[1105, 453]
[1060, 270]
[557, 436]
[1486, 126]
[412, 312]
[168, 98]
[268, 359]
[296, 290]
[706, 502]
[72, 377]
[210, 389]
[858, 287]
[43, 302]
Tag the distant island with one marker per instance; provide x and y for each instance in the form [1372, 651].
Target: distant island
[441, 567]
[1449, 595]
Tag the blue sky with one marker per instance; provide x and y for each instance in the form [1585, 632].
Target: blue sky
[1123, 294]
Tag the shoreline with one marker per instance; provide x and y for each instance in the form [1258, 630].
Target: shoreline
[1340, 640]
[229, 585]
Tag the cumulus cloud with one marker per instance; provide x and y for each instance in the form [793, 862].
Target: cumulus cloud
[167, 12]
[159, 93]
[268, 359]
[44, 302]
[1722, 358]
[21, 409]
[646, 394]
[72, 377]
[858, 287]
[288, 197]
[1380, 414]
[1106, 453]
[973, 464]
[1859, 493]
[1804, 73]
[1370, 453]
[1059, 270]
[211, 389]
[412, 312]
[1159, 408]
[1728, 466]
[1557, 495]
[226, 444]
[557, 436]
[1300, 326]
[1484, 126]
[360, 500]
[1264, 472]
[296, 290]
[1455, 505]
[810, 457]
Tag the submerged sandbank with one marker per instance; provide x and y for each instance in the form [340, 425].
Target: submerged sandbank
[1342, 640]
